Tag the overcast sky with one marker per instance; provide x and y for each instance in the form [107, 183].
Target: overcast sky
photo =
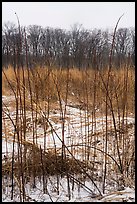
[65, 14]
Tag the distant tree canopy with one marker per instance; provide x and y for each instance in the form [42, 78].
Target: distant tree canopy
[77, 47]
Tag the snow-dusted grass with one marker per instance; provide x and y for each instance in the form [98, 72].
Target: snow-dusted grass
[68, 135]
[79, 126]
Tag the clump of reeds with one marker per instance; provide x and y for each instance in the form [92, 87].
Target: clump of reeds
[37, 160]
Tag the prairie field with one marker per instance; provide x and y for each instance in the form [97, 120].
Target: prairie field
[68, 103]
[68, 134]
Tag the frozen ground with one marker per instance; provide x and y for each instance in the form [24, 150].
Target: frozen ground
[78, 126]
[78, 194]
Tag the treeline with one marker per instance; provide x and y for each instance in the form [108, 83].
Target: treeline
[78, 47]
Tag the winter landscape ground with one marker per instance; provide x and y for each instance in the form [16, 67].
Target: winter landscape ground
[61, 154]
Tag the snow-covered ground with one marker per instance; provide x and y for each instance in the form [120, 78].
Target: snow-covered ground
[78, 126]
[78, 194]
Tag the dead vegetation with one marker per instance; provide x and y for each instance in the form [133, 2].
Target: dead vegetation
[37, 160]
[99, 142]
[80, 84]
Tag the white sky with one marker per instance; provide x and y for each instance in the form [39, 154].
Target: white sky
[66, 14]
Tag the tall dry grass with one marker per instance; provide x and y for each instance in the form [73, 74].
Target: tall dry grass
[41, 90]
[44, 81]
